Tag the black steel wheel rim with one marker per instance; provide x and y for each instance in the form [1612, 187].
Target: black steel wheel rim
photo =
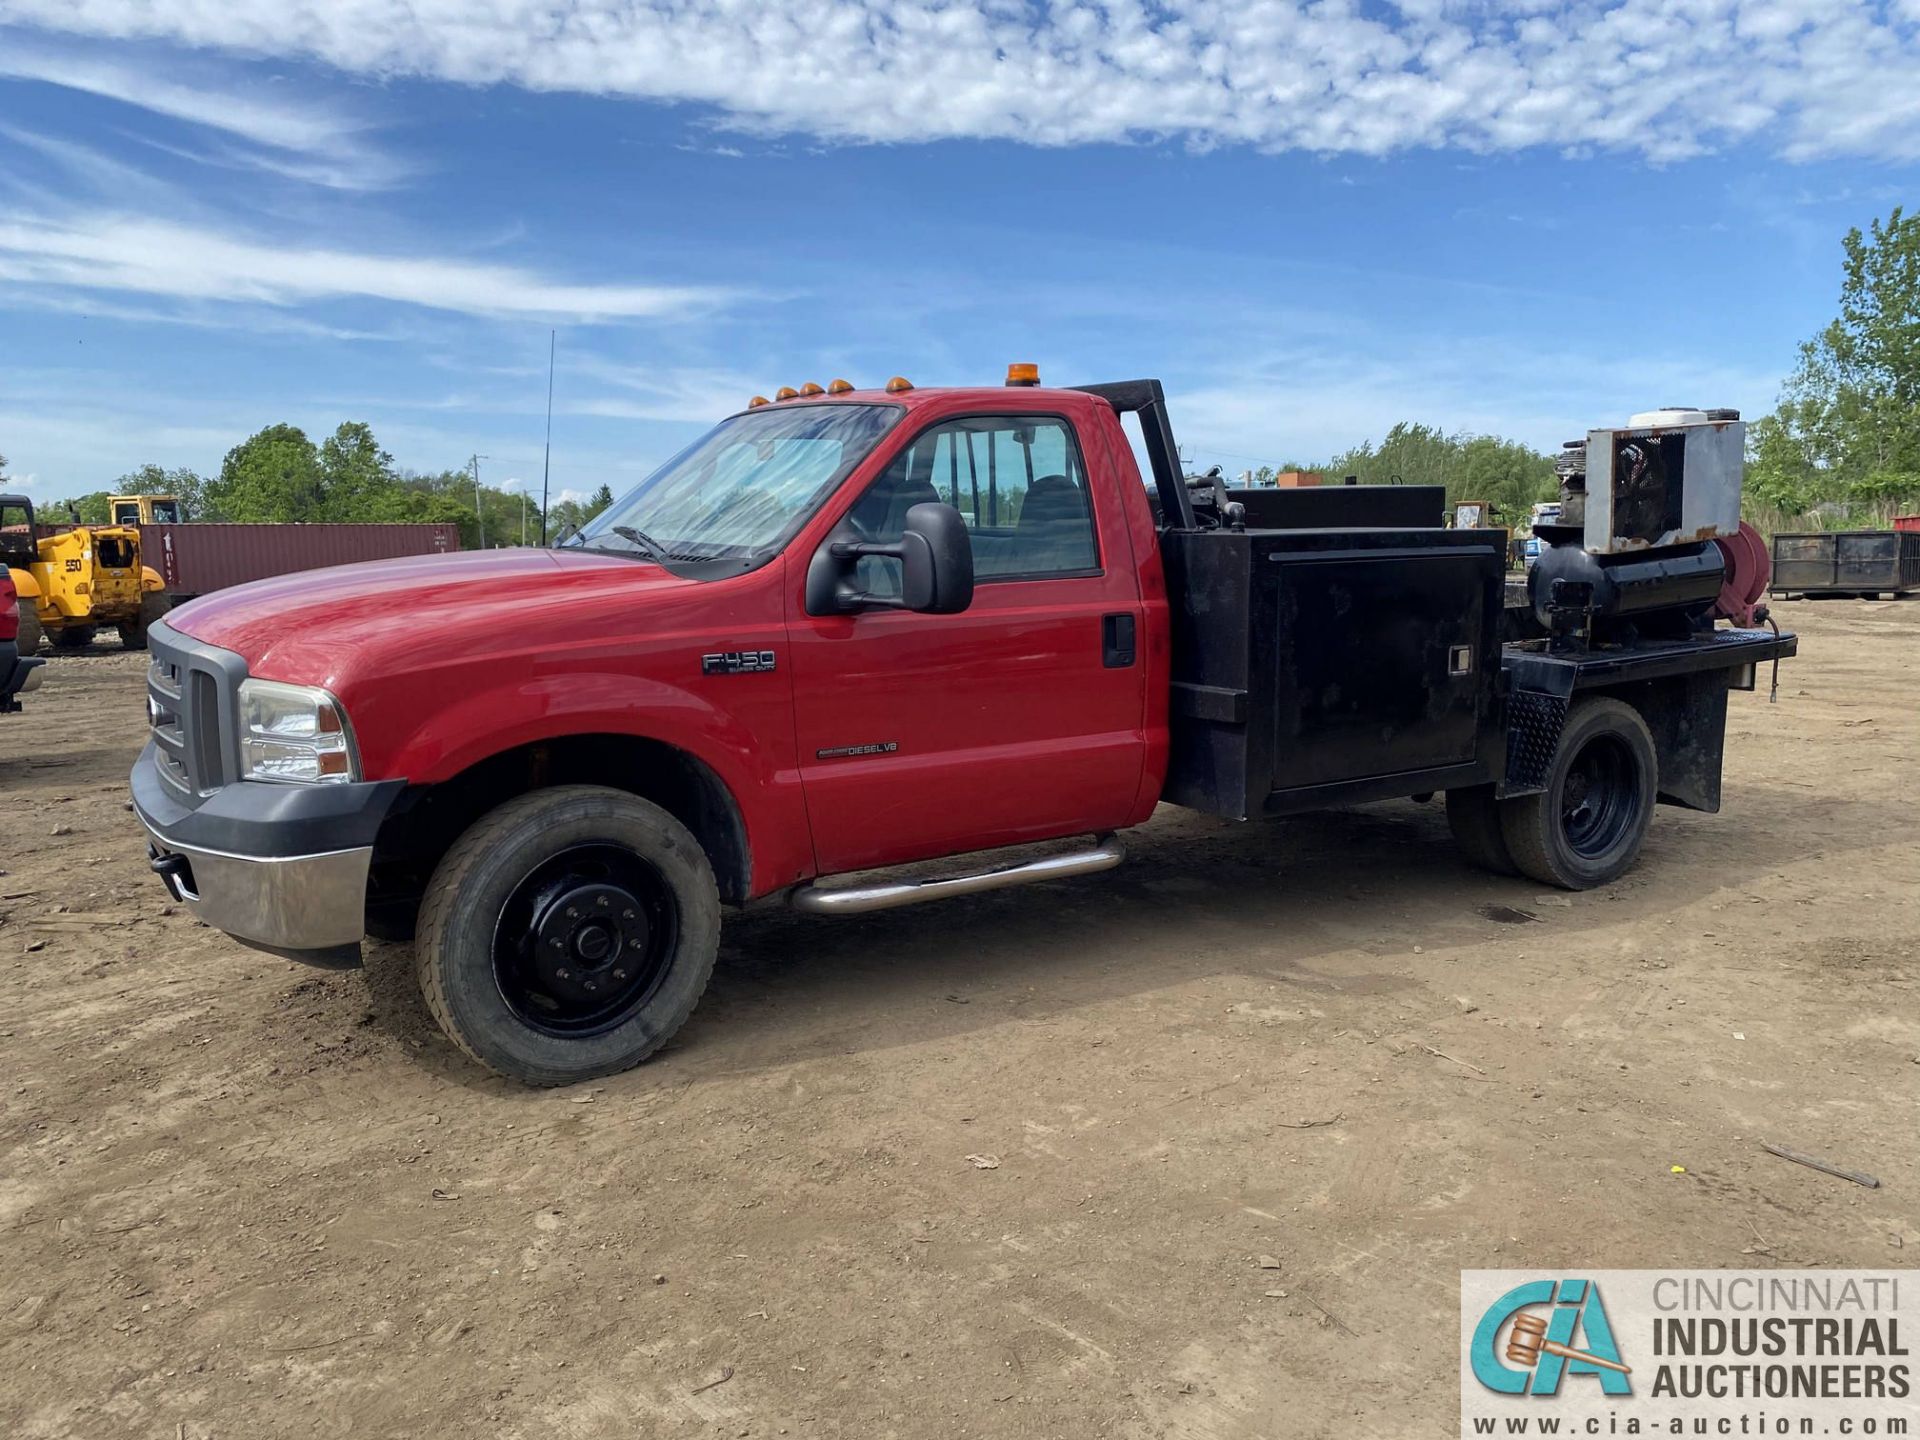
[585, 940]
[1599, 797]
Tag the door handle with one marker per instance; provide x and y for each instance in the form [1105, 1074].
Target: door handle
[1116, 641]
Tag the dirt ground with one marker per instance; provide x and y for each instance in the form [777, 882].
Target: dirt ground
[1194, 1148]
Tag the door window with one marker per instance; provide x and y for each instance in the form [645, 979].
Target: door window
[1016, 480]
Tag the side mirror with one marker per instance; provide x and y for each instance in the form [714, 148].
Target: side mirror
[936, 568]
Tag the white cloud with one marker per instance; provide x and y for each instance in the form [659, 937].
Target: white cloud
[668, 393]
[1663, 78]
[107, 252]
[271, 122]
[311, 142]
[99, 173]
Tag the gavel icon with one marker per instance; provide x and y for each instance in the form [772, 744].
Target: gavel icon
[1527, 1342]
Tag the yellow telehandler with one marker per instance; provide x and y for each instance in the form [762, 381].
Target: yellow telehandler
[76, 579]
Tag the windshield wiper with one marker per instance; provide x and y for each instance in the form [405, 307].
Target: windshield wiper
[655, 550]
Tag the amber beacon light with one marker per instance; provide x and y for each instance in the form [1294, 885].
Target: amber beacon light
[1018, 374]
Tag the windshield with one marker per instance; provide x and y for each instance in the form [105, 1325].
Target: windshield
[735, 496]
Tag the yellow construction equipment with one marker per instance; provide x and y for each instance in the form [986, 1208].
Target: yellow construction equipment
[144, 509]
[78, 578]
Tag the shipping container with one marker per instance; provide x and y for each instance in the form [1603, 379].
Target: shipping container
[1846, 562]
[196, 559]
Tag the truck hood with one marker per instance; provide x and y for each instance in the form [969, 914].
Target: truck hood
[320, 627]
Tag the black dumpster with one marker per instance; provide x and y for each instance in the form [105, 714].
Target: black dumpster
[1846, 562]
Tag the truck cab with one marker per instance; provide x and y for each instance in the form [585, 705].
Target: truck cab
[844, 631]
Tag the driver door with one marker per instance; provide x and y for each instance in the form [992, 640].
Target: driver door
[1021, 718]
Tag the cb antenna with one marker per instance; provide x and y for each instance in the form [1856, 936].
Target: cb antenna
[546, 460]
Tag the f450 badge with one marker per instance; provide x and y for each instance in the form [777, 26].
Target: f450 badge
[737, 662]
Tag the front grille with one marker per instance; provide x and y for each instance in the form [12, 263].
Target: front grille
[192, 689]
[166, 718]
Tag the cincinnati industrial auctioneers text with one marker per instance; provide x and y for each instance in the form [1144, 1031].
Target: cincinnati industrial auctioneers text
[1779, 1337]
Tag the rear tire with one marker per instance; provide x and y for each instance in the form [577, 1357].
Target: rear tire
[73, 637]
[1473, 814]
[30, 631]
[1587, 826]
[568, 934]
[133, 633]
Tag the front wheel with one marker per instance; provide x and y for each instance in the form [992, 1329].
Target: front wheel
[1587, 826]
[568, 934]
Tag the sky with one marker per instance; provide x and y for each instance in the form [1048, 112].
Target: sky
[1311, 221]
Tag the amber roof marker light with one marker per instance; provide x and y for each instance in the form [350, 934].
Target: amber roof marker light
[756, 402]
[1023, 374]
[839, 387]
[897, 384]
[812, 388]
[785, 392]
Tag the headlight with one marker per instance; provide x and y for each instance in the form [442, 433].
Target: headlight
[294, 733]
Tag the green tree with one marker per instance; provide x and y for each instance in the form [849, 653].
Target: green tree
[357, 478]
[1410, 454]
[1510, 475]
[577, 512]
[1844, 438]
[272, 476]
[88, 509]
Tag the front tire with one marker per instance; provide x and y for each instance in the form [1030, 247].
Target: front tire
[1587, 826]
[568, 934]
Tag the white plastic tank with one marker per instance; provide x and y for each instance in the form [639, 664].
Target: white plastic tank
[1674, 415]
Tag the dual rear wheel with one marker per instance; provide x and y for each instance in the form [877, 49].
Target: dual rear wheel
[1586, 826]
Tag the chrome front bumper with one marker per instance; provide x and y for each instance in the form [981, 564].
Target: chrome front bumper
[279, 867]
[281, 902]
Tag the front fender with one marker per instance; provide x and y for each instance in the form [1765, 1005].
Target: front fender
[749, 749]
[25, 582]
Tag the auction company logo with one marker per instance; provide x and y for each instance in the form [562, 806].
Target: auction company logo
[1573, 1338]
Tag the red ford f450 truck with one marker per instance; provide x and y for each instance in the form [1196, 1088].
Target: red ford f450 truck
[853, 629]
